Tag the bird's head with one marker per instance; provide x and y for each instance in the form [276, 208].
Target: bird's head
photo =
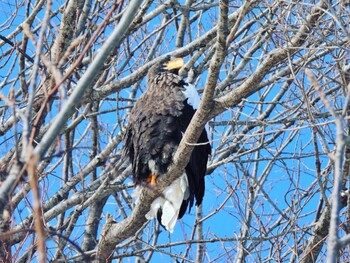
[172, 66]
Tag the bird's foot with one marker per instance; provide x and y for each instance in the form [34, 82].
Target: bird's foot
[152, 180]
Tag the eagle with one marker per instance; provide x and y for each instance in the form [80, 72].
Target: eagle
[155, 128]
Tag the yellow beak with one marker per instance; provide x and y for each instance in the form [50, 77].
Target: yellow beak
[176, 63]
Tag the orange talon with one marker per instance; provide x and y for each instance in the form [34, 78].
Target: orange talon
[152, 180]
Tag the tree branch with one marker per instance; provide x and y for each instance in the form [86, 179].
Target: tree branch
[251, 84]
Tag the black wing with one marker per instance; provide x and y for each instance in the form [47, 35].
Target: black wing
[197, 165]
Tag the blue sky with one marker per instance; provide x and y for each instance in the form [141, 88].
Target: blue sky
[291, 176]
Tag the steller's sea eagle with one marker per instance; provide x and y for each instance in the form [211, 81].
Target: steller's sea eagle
[155, 128]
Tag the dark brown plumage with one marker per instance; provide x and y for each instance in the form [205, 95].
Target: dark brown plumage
[156, 125]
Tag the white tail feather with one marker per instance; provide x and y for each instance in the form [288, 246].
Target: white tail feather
[170, 202]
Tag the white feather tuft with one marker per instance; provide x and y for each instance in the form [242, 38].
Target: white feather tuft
[193, 99]
[192, 96]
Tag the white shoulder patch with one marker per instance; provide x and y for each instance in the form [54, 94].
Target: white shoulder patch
[192, 96]
[193, 99]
